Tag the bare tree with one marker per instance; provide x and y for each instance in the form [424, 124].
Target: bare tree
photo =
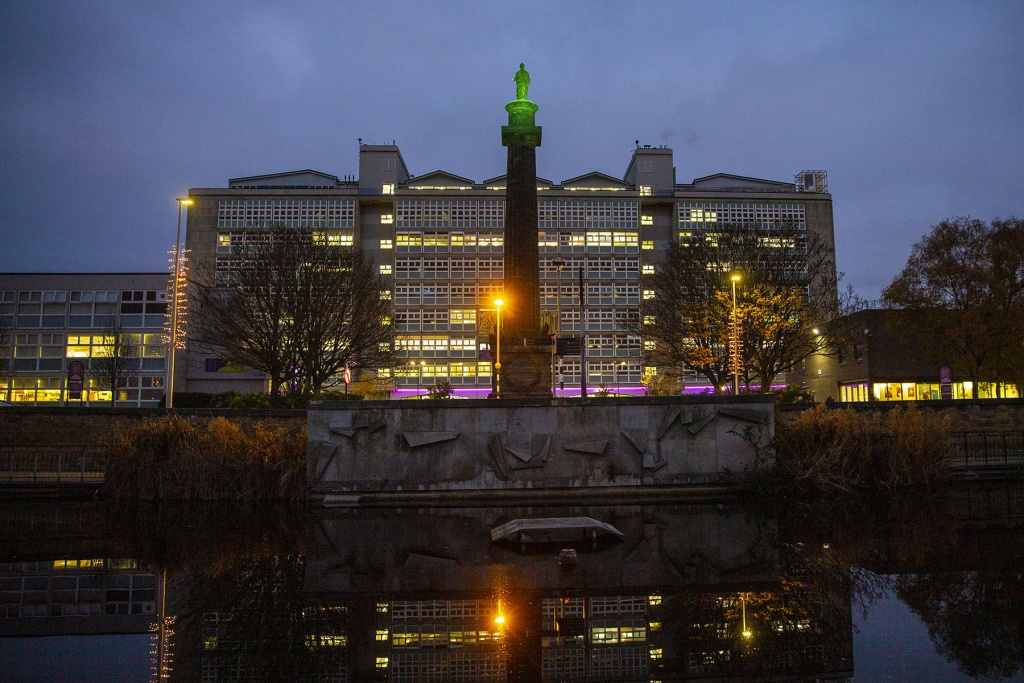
[117, 363]
[296, 308]
[964, 285]
[787, 302]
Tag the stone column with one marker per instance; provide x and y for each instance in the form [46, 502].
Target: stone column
[522, 268]
[525, 357]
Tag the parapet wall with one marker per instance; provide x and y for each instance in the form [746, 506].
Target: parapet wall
[442, 445]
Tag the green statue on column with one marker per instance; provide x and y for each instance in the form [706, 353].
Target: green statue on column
[522, 79]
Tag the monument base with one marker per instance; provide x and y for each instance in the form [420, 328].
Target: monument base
[525, 371]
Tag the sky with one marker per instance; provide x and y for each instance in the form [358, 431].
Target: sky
[110, 110]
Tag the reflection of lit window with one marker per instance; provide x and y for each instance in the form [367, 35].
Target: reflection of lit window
[389, 188]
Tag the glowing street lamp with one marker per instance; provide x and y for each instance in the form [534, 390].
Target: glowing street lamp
[735, 340]
[497, 356]
[746, 632]
[173, 345]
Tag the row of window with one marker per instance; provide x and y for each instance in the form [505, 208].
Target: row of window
[414, 268]
[286, 213]
[451, 213]
[437, 241]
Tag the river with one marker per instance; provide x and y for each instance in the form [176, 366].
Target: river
[924, 588]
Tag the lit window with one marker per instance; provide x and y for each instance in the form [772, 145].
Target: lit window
[645, 190]
[655, 653]
[382, 635]
[653, 599]
[649, 346]
[385, 321]
[385, 295]
[647, 244]
[646, 220]
[385, 269]
[389, 188]
[382, 662]
[648, 269]
[386, 244]
[387, 218]
[648, 320]
[648, 294]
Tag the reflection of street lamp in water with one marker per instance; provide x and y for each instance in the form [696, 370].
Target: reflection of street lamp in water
[497, 359]
[746, 632]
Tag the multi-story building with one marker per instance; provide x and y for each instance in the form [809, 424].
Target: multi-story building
[439, 239]
[48, 320]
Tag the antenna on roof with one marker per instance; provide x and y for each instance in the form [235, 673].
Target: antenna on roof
[360, 141]
[637, 143]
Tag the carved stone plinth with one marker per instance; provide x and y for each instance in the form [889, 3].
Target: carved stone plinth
[525, 371]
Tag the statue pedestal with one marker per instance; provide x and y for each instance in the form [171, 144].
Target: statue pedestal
[522, 128]
[525, 371]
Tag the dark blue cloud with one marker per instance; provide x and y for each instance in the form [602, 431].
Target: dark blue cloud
[110, 110]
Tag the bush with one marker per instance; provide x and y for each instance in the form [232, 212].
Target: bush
[173, 458]
[793, 395]
[824, 450]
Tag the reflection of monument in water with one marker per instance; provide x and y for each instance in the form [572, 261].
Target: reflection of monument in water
[430, 597]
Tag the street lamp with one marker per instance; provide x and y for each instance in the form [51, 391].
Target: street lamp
[735, 340]
[419, 369]
[497, 360]
[172, 347]
[743, 602]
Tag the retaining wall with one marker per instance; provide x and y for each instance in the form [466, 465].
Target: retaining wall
[444, 445]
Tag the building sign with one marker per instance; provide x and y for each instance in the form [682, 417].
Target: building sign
[76, 379]
[568, 346]
[945, 383]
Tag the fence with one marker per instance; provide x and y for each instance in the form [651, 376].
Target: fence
[988, 450]
[51, 465]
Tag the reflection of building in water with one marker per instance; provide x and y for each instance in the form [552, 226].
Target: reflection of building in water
[673, 600]
[76, 596]
[441, 640]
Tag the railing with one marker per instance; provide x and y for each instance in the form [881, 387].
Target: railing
[53, 464]
[987, 450]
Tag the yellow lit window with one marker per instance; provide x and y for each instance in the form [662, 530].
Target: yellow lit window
[655, 653]
[210, 643]
[647, 244]
[385, 321]
[223, 240]
[653, 599]
[387, 218]
[648, 269]
[382, 662]
[385, 269]
[646, 220]
[386, 244]
[388, 188]
[645, 190]
[382, 607]
[655, 625]
[648, 294]
[385, 295]
[648, 320]
[382, 635]
[649, 345]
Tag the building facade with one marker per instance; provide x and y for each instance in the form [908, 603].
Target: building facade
[880, 361]
[439, 238]
[49, 320]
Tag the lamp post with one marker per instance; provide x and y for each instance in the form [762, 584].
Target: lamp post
[173, 345]
[735, 340]
[497, 359]
[419, 370]
[558, 264]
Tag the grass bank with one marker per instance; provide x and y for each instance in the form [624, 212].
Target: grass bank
[827, 451]
[173, 458]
